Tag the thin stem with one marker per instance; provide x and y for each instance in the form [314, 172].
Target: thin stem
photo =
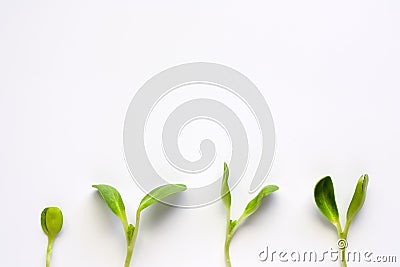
[135, 232]
[226, 250]
[228, 238]
[342, 249]
[49, 250]
[131, 243]
[129, 252]
[229, 234]
[343, 261]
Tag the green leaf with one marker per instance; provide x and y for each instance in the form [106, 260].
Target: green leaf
[358, 198]
[255, 203]
[225, 192]
[114, 201]
[324, 196]
[52, 221]
[160, 193]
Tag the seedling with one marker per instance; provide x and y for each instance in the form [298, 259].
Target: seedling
[51, 220]
[114, 201]
[252, 206]
[324, 196]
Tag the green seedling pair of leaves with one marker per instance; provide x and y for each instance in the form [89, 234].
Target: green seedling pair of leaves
[51, 220]
[114, 201]
[324, 196]
[252, 206]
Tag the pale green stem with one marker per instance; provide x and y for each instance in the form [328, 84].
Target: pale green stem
[49, 250]
[342, 250]
[343, 256]
[129, 252]
[226, 250]
[228, 238]
[229, 235]
[131, 244]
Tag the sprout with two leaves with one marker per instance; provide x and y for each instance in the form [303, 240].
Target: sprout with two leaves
[114, 201]
[51, 220]
[252, 206]
[324, 196]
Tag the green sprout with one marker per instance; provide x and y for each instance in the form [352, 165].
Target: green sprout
[324, 196]
[252, 206]
[114, 201]
[51, 220]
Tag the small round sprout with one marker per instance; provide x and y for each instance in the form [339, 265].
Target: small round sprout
[52, 221]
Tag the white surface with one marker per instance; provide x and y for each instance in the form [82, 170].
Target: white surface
[68, 70]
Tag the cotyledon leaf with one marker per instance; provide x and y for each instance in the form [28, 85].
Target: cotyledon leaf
[358, 198]
[160, 193]
[52, 221]
[255, 203]
[113, 200]
[324, 195]
[225, 192]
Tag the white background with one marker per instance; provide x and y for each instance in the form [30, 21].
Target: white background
[68, 70]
